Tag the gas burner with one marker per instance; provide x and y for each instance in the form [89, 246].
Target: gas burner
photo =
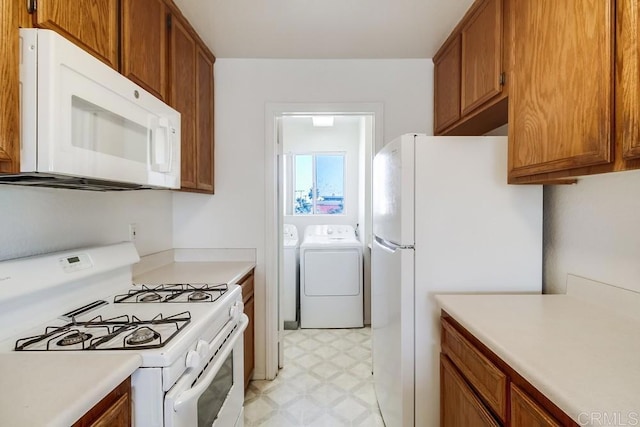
[198, 296]
[151, 297]
[74, 338]
[142, 336]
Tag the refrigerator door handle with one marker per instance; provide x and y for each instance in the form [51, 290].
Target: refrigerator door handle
[388, 246]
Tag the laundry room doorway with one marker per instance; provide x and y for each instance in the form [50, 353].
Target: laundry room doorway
[318, 172]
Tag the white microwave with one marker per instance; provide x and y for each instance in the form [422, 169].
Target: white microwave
[84, 125]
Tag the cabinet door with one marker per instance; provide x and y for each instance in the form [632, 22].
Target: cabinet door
[459, 406]
[447, 86]
[204, 126]
[482, 55]
[10, 87]
[561, 92]
[91, 24]
[527, 413]
[248, 342]
[144, 44]
[628, 78]
[112, 411]
[183, 96]
[118, 415]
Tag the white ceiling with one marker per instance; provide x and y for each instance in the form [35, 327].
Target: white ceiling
[324, 29]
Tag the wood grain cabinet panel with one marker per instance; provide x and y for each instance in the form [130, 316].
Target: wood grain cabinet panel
[91, 24]
[144, 44]
[204, 128]
[10, 87]
[484, 376]
[527, 413]
[470, 72]
[561, 93]
[249, 337]
[247, 284]
[482, 55]
[459, 406]
[183, 96]
[628, 79]
[112, 411]
[447, 67]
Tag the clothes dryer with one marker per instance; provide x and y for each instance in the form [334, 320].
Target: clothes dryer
[331, 278]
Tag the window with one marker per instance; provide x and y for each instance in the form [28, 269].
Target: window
[318, 184]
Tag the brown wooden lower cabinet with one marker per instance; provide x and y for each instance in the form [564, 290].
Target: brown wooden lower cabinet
[477, 388]
[112, 411]
[459, 404]
[247, 285]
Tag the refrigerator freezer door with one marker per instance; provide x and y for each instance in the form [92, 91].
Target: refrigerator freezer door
[393, 332]
[393, 191]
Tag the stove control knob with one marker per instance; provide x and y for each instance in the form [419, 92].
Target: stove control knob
[236, 310]
[202, 348]
[193, 360]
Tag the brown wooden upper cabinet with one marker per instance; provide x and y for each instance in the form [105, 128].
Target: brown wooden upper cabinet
[447, 67]
[162, 53]
[91, 24]
[144, 44]
[470, 73]
[205, 125]
[482, 55]
[574, 100]
[183, 96]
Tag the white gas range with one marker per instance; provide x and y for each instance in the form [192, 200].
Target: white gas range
[189, 336]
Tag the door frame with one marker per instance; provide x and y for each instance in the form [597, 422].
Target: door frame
[273, 209]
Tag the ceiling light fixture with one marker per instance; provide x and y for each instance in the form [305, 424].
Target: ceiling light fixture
[322, 121]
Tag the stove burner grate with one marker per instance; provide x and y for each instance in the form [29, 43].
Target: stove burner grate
[178, 293]
[72, 337]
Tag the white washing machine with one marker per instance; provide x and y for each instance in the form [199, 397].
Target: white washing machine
[331, 278]
[290, 294]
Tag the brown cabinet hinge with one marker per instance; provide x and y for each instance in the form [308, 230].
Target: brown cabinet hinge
[32, 6]
[169, 21]
[503, 79]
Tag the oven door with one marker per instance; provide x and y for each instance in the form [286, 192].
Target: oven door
[212, 392]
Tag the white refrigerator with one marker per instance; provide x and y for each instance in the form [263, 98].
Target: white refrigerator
[444, 221]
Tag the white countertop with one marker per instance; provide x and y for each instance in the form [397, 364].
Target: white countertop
[57, 388]
[196, 272]
[583, 356]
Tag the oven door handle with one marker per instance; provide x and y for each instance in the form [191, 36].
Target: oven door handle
[198, 389]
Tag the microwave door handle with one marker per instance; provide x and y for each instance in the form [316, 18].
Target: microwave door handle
[161, 145]
[197, 390]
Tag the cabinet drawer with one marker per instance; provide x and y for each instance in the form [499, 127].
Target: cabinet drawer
[485, 377]
[247, 287]
[526, 412]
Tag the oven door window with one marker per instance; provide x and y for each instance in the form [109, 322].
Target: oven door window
[211, 401]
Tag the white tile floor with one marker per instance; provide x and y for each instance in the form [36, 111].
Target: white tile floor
[326, 381]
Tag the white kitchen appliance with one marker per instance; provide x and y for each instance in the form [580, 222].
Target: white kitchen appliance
[86, 126]
[188, 335]
[331, 278]
[444, 221]
[291, 291]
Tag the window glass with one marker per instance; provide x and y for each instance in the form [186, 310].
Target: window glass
[319, 184]
[329, 184]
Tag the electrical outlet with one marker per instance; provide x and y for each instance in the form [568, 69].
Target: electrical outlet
[133, 231]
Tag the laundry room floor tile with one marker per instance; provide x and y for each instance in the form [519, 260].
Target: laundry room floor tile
[326, 381]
